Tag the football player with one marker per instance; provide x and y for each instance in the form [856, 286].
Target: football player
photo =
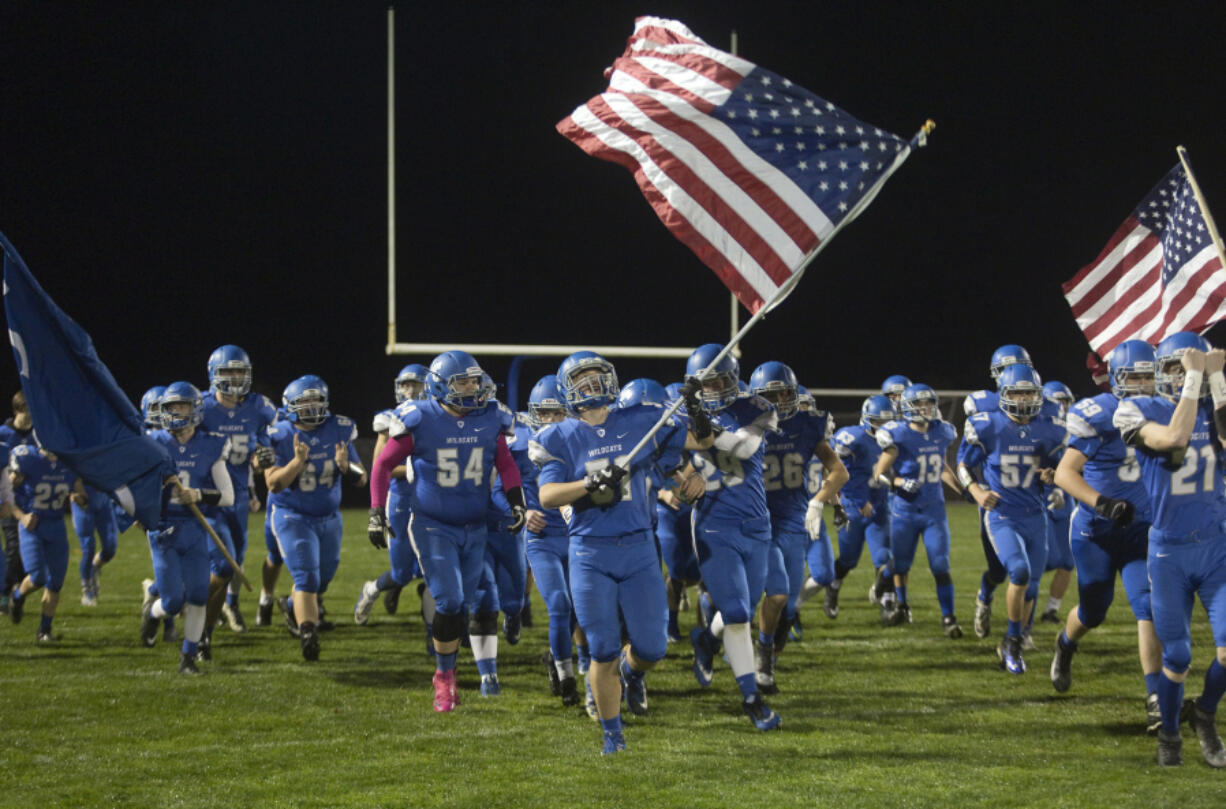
[1109, 531]
[179, 543]
[97, 516]
[913, 465]
[16, 430]
[151, 412]
[614, 569]
[231, 409]
[312, 452]
[673, 517]
[893, 388]
[41, 485]
[1018, 453]
[1058, 513]
[455, 440]
[1178, 437]
[794, 517]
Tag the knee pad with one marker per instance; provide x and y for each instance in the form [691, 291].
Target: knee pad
[652, 652]
[1019, 571]
[448, 627]
[483, 623]
[1095, 599]
[943, 579]
[1177, 655]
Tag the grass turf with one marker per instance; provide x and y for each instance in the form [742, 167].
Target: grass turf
[873, 717]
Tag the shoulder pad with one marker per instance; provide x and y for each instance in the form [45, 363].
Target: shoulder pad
[885, 434]
[1128, 418]
[344, 421]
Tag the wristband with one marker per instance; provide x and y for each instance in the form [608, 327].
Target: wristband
[1192, 382]
[1217, 386]
[965, 477]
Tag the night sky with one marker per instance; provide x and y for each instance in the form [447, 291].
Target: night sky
[184, 175]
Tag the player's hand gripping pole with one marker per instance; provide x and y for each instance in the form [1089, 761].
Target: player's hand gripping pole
[221, 546]
[920, 139]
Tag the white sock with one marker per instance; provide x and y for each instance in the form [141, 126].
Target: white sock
[158, 611]
[738, 646]
[836, 583]
[484, 646]
[566, 668]
[809, 589]
[193, 622]
[1053, 603]
[717, 625]
[265, 598]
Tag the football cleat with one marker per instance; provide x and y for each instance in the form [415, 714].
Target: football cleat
[1153, 714]
[1010, 654]
[764, 668]
[391, 600]
[634, 689]
[1170, 749]
[204, 649]
[704, 658]
[323, 624]
[187, 665]
[525, 615]
[1062, 669]
[763, 718]
[287, 609]
[899, 615]
[674, 634]
[951, 627]
[366, 602]
[831, 607]
[169, 633]
[706, 611]
[308, 636]
[146, 594]
[1205, 725]
[490, 686]
[234, 618]
[88, 599]
[570, 692]
[444, 691]
[148, 626]
[1050, 616]
[614, 742]
[796, 632]
[551, 671]
[983, 618]
[45, 639]
[95, 580]
[511, 626]
[589, 704]
[263, 614]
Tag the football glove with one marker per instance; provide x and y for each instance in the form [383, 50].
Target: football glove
[909, 489]
[840, 515]
[1055, 500]
[813, 519]
[376, 528]
[265, 458]
[1118, 511]
[519, 515]
[608, 477]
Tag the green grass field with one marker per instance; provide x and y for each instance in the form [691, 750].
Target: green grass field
[872, 717]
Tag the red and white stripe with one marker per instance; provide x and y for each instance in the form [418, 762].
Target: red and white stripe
[743, 217]
[1121, 297]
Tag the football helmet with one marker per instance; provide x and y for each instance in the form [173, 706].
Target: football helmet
[720, 386]
[457, 380]
[230, 371]
[1005, 356]
[637, 391]
[776, 383]
[580, 388]
[920, 404]
[1131, 366]
[1021, 391]
[306, 401]
[544, 399]
[876, 411]
[411, 382]
[1059, 393]
[176, 393]
[893, 386]
[151, 406]
[1169, 374]
[805, 402]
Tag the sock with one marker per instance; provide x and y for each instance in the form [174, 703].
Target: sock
[485, 652]
[169, 624]
[193, 621]
[945, 597]
[17, 596]
[565, 667]
[1170, 700]
[807, 591]
[629, 672]
[901, 593]
[1068, 644]
[836, 584]
[387, 582]
[190, 647]
[1014, 630]
[44, 625]
[158, 611]
[748, 685]
[738, 646]
[612, 727]
[265, 598]
[585, 655]
[716, 629]
[674, 628]
[766, 639]
[232, 591]
[1215, 686]
[986, 588]
[1053, 604]
[1151, 680]
[446, 662]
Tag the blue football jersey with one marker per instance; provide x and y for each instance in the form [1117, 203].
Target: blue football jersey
[572, 449]
[1111, 466]
[45, 485]
[1012, 456]
[859, 452]
[735, 488]
[555, 523]
[246, 425]
[988, 401]
[11, 437]
[784, 462]
[316, 491]
[194, 461]
[453, 457]
[1186, 493]
[920, 456]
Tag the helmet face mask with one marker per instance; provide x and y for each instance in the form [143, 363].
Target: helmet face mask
[776, 383]
[306, 401]
[230, 371]
[411, 383]
[720, 386]
[1170, 374]
[893, 386]
[587, 380]
[457, 381]
[1021, 392]
[1132, 367]
[805, 403]
[920, 405]
[180, 407]
[151, 406]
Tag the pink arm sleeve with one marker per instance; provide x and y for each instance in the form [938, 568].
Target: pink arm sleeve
[507, 470]
[394, 453]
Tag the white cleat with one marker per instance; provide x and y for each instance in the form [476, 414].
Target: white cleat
[366, 602]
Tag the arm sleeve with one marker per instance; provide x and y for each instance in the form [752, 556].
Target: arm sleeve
[508, 472]
[394, 454]
[221, 479]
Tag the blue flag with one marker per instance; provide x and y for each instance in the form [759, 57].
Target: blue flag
[79, 413]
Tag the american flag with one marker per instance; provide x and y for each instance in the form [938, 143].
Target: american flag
[1159, 274]
[748, 169]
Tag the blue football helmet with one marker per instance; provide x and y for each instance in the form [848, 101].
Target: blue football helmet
[805, 402]
[920, 404]
[411, 383]
[1021, 391]
[776, 383]
[1005, 356]
[876, 411]
[723, 379]
[545, 398]
[306, 401]
[580, 388]
[893, 386]
[637, 391]
[457, 380]
[230, 371]
[1132, 366]
[1059, 393]
[151, 406]
[176, 393]
[1170, 373]
[673, 391]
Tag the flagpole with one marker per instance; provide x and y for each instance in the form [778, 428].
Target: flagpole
[1204, 206]
[920, 139]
